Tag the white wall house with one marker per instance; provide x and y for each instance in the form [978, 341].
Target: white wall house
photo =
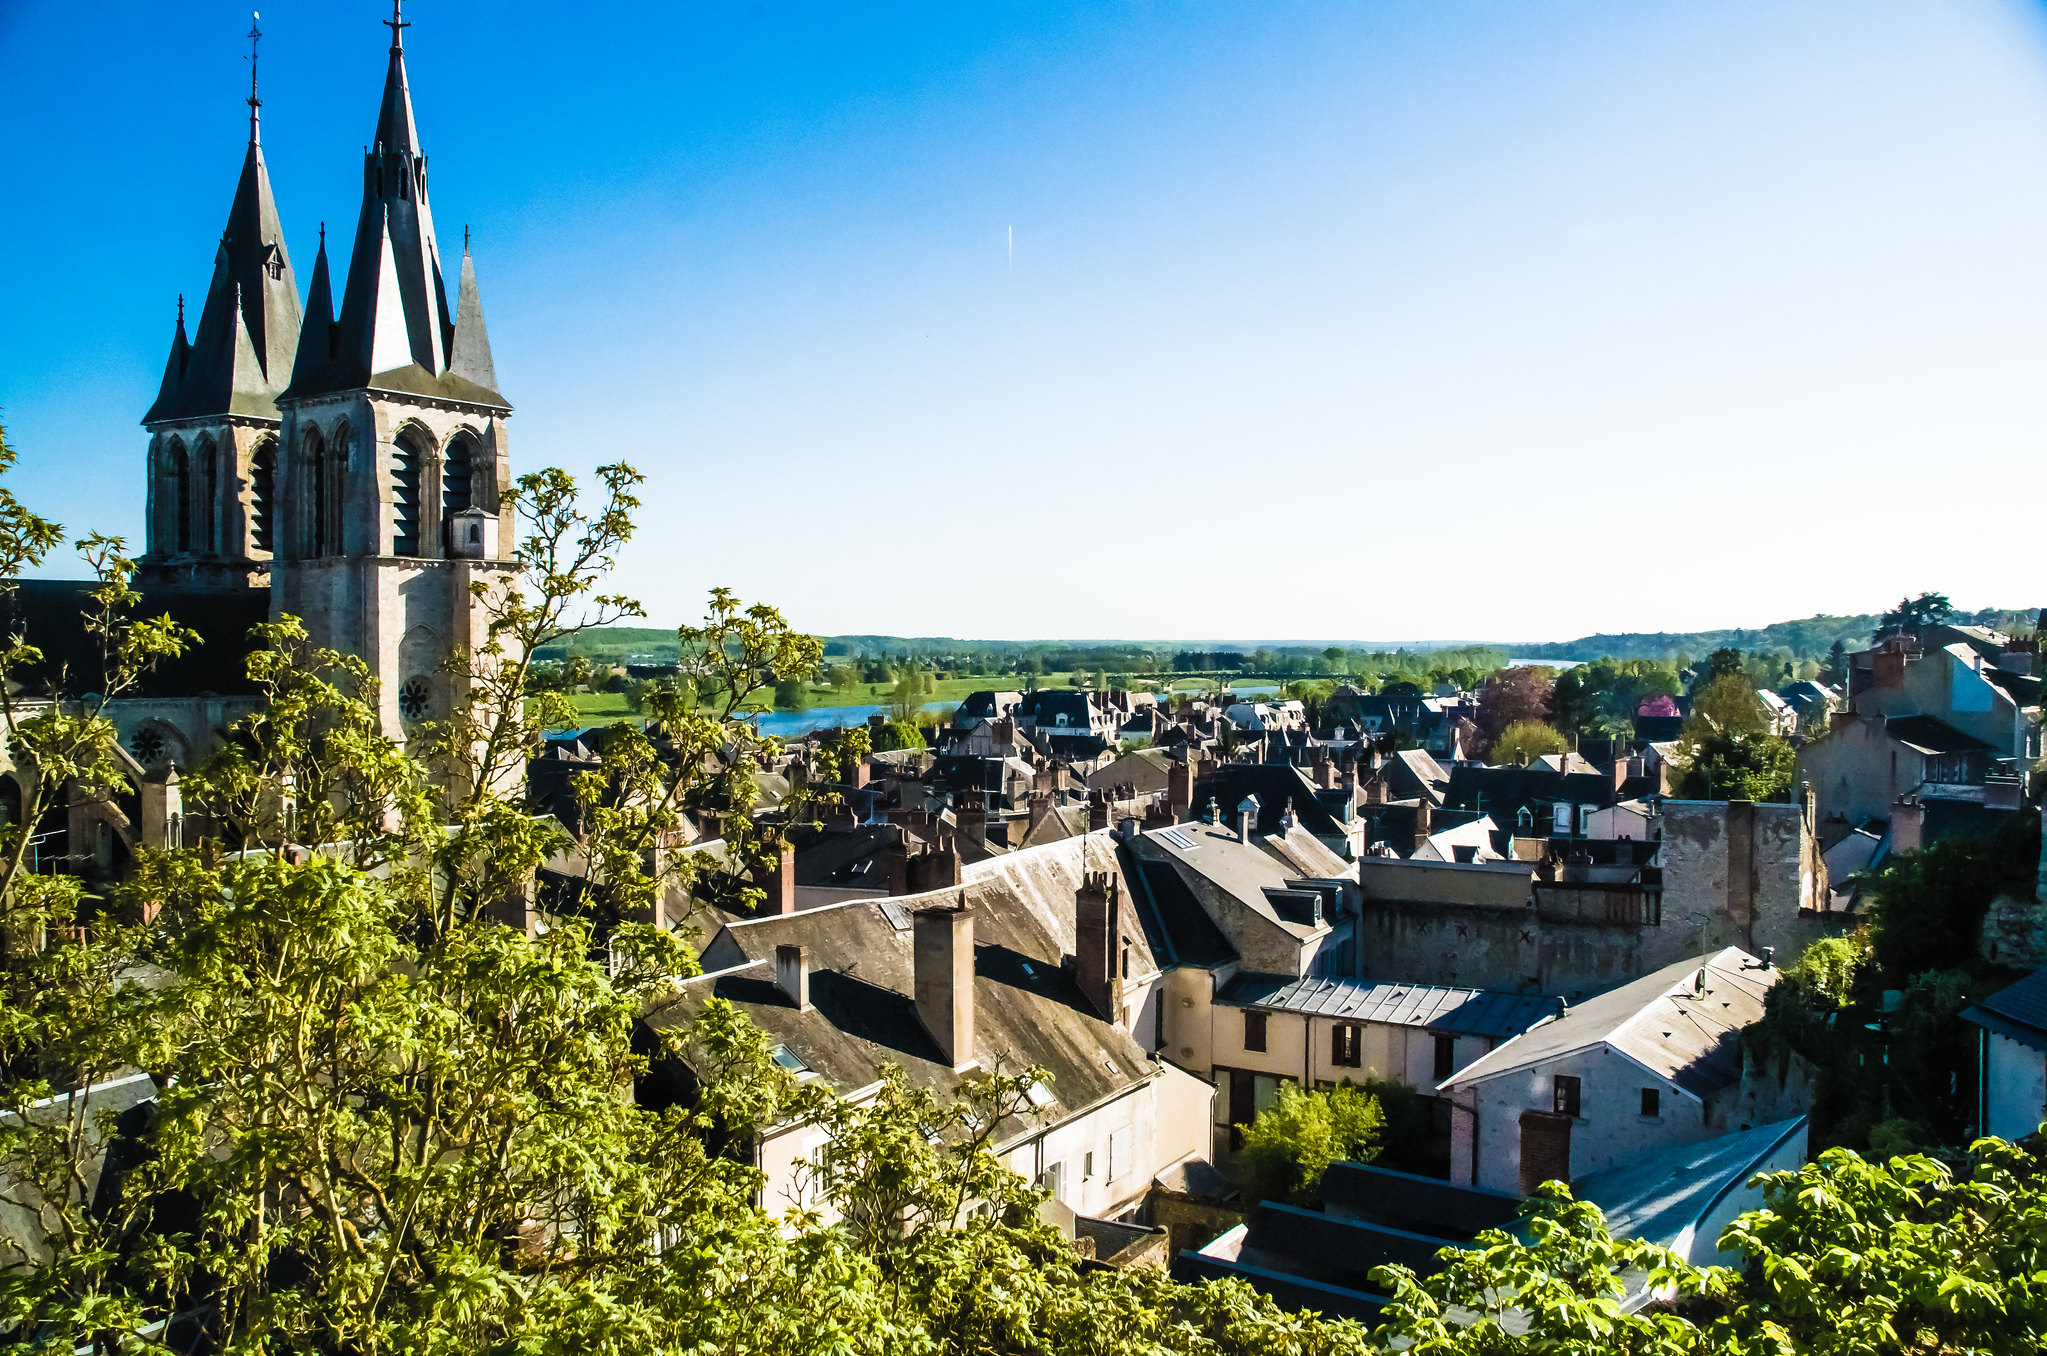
[2012, 1068]
[1645, 1067]
[1037, 960]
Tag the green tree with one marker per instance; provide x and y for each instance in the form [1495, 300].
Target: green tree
[1290, 1145]
[1525, 741]
[1928, 609]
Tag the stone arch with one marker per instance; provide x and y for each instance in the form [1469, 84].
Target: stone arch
[205, 496]
[180, 465]
[461, 464]
[413, 463]
[262, 494]
[310, 472]
[156, 742]
[334, 507]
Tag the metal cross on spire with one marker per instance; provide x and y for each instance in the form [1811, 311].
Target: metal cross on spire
[255, 37]
[396, 23]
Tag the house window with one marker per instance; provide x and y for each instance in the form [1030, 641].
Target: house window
[1566, 1095]
[1254, 1031]
[1346, 1045]
[1652, 1101]
[1054, 1181]
[1087, 1164]
[1446, 1057]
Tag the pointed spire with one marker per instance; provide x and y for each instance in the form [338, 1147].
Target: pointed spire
[174, 366]
[316, 332]
[470, 358]
[396, 330]
[242, 350]
[396, 128]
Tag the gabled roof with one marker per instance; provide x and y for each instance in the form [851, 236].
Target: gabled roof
[1669, 1023]
[1276, 785]
[1028, 1009]
[2018, 1011]
[241, 356]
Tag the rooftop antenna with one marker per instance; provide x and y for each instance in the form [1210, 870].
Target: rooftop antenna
[396, 23]
[255, 37]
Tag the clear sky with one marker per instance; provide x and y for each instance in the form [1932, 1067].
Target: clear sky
[1355, 320]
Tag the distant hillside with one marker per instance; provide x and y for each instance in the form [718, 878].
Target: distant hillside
[1810, 638]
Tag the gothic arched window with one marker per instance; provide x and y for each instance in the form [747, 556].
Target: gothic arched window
[207, 495]
[262, 491]
[456, 491]
[313, 528]
[406, 460]
[181, 496]
[334, 506]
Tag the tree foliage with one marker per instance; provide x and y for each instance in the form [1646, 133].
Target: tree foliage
[1525, 741]
[1291, 1143]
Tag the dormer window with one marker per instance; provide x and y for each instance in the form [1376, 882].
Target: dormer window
[273, 262]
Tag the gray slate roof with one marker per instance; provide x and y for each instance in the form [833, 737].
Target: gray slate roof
[1663, 1194]
[1465, 1012]
[1689, 1036]
[241, 355]
[396, 331]
[1028, 1008]
[2018, 1010]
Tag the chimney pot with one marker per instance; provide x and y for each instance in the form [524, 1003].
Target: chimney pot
[1097, 939]
[792, 973]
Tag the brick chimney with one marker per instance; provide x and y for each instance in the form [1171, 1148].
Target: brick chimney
[936, 869]
[779, 880]
[1247, 818]
[1908, 821]
[971, 814]
[943, 965]
[1003, 731]
[1098, 944]
[1325, 772]
[1422, 821]
[1097, 811]
[792, 973]
[1180, 789]
[895, 863]
[856, 775]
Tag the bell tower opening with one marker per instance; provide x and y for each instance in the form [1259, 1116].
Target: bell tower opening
[262, 494]
[407, 459]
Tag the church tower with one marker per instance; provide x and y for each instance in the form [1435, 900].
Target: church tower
[214, 429]
[391, 490]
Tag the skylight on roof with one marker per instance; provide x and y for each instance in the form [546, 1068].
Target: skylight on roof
[897, 918]
[1040, 1095]
[788, 1059]
[1176, 838]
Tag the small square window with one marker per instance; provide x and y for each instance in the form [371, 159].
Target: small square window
[1566, 1094]
[1652, 1101]
[1254, 1031]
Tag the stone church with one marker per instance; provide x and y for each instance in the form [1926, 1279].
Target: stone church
[349, 468]
[352, 466]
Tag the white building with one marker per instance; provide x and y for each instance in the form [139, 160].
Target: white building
[2012, 1072]
[974, 979]
[1650, 1065]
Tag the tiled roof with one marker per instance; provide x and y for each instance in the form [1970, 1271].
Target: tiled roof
[1930, 735]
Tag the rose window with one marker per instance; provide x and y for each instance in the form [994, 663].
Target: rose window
[148, 745]
[412, 698]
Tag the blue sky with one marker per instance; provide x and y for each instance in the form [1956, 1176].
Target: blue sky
[1363, 320]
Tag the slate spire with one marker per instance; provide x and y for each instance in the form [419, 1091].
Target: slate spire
[470, 358]
[396, 330]
[240, 357]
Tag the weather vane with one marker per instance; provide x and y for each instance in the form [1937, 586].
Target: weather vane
[396, 23]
